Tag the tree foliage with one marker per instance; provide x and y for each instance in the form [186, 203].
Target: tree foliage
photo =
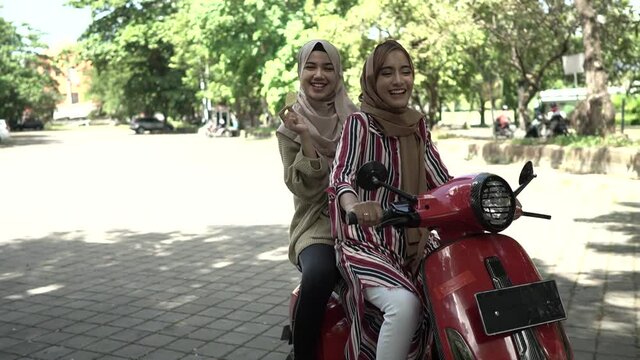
[531, 36]
[226, 45]
[174, 56]
[26, 80]
[127, 44]
[620, 37]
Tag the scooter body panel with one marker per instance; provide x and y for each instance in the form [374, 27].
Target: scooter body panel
[335, 327]
[456, 272]
[335, 331]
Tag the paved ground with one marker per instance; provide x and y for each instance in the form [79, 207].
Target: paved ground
[116, 246]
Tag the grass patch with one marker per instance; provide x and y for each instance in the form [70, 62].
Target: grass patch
[63, 126]
[444, 135]
[581, 141]
[186, 128]
[261, 132]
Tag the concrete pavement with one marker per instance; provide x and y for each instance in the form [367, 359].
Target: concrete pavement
[75, 289]
[146, 295]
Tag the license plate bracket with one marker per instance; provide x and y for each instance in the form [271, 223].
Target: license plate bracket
[520, 307]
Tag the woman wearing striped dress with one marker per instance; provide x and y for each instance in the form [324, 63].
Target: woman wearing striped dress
[380, 265]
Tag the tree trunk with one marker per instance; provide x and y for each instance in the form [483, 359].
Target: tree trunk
[417, 100]
[434, 96]
[595, 115]
[481, 110]
[525, 94]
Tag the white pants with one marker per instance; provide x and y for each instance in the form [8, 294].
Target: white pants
[401, 310]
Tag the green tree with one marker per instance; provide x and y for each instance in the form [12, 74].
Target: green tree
[423, 27]
[227, 47]
[26, 80]
[532, 36]
[620, 40]
[480, 78]
[128, 48]
[330, 20]
[595, 115]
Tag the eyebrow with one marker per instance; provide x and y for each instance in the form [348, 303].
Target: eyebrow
[315, 63]
[391, 67]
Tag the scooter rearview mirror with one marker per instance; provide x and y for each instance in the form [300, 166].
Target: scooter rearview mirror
[370, 175]
[373, 175]
[526, 174]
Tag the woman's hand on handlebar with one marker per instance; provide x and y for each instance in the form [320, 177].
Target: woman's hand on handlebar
[368, 213]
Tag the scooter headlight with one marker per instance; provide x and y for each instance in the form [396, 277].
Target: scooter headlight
[493, 202]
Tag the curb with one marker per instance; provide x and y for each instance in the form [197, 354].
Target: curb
[604, 160]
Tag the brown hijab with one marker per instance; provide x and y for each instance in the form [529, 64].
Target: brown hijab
[325, 131]
[397, 122]
[402, 123]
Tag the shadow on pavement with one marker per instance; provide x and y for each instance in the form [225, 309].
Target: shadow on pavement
[220, 294]
[625, 222]
[124, 293]
[28, 138]
[601, 309]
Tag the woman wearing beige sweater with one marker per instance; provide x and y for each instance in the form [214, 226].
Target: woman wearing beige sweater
[307, 139]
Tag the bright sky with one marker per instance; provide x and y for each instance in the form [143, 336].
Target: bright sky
[58, 23]
[64, 24]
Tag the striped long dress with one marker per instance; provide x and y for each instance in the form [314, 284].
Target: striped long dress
[368, 256]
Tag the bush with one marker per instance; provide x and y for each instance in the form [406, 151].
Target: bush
[631, 109]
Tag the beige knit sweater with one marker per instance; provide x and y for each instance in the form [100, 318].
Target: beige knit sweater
[307, 179]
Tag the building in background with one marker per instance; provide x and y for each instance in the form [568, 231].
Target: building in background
[73, 83]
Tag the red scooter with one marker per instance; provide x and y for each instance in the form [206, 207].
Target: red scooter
[486, 298]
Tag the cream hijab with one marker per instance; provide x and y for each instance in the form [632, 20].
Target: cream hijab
[325, 131]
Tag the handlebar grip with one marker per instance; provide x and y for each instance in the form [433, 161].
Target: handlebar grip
[352, 219]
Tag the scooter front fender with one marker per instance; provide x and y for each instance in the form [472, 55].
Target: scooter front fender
[456, 272]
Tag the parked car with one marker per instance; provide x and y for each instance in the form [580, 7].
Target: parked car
[4, 130]
[30, 124]
[151, 124]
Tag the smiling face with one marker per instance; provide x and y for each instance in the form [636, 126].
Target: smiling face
[319, 78]
[394, 82]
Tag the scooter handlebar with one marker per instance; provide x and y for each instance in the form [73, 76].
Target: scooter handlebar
[388, 218]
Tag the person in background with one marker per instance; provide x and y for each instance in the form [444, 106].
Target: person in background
[503, 119]
[307, 139]
[557, 121]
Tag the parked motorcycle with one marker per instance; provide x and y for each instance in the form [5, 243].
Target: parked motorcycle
[537, 128]
[557, 125]
[506, 130]
[486, 298]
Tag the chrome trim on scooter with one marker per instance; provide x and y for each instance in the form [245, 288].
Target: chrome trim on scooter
[528, 346]
[459, 347]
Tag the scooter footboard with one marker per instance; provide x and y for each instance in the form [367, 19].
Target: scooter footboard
[457, 272]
